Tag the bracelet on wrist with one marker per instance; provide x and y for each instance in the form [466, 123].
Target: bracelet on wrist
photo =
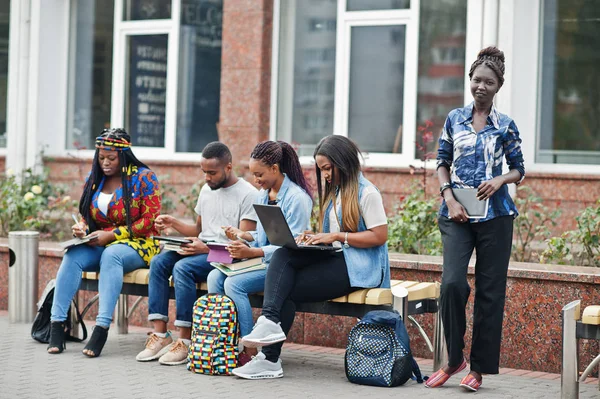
[444, 186]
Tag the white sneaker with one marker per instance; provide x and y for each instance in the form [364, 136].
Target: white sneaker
[155, 347]
[259, 368]
[264, 333]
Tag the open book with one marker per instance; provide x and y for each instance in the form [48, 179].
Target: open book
[243, 266]
[77, 241]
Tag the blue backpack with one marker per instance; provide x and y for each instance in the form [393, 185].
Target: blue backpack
[378, 351]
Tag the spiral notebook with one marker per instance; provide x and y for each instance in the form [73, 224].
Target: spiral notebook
[467, 197]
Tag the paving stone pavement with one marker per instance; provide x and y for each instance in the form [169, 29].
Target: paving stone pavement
[27, 371]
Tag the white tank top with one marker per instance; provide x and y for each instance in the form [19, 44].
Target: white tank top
[103, 201]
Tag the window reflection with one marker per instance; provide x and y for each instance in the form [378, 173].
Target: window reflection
[442, 37]
[570, 99]
[306, 72]
[90, 76]
[199, 74]
[146, 9]
[368, 5]
[377, 87]
[4, 29]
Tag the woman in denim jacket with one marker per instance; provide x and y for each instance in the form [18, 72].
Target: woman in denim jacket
[276, 169]
[353, 219]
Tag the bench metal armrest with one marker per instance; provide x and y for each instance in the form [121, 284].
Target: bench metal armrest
[569, 380]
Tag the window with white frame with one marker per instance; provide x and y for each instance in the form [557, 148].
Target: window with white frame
[90, 71]
[163, 85]
[392, 64]
[569, 104]
[4, 29]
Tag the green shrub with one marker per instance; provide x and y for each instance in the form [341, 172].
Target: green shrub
[168, 194]
[190, 199]
[30, 202]
[557, 251]
[413, 228]
[532, 224]
[577, 247]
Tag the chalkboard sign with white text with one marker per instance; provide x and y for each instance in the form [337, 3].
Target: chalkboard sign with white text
[147, 92]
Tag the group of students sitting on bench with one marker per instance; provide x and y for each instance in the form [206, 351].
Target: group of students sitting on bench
[121, 205]
[121, 200]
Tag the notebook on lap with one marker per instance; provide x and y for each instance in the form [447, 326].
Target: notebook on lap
[278, 231]
[219, 253]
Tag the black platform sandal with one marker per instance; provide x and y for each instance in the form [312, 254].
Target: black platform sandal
[57, 337]
[97, 341]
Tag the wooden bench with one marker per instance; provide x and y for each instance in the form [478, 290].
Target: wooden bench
[575, 327]
[419, 298]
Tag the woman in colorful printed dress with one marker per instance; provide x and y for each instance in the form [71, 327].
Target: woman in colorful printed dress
[471, 147]
[120, 201]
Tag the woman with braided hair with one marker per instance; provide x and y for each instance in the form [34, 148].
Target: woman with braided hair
[276, 169]
[473, 141]
[119, 203]
[353, 220]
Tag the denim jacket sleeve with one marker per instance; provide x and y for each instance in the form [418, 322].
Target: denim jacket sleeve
[445, 154]
[254, 235]
[297, 210]
[512, 150]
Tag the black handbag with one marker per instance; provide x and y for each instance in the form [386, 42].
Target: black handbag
[40, 330]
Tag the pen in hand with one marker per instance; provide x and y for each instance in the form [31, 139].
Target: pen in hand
[78, 226]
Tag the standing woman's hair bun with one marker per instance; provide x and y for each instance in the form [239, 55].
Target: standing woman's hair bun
[490, 52]
[493, 58]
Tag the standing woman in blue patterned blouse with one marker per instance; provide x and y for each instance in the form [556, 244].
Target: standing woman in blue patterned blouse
[471, 147]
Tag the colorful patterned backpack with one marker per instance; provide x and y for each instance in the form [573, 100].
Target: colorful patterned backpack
[378, 351]
[214, 347]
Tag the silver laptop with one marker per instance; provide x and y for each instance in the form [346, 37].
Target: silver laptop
[279, 233]
[467, 197]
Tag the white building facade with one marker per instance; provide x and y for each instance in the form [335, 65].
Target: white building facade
[373, 70]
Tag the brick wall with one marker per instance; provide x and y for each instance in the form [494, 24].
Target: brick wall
[569, 193]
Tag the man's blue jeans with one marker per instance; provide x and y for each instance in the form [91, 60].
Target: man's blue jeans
[112, 262]
[186, 271]
[237, 288]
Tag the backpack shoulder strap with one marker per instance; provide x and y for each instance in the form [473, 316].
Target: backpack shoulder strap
[80, 321]
[416, 370]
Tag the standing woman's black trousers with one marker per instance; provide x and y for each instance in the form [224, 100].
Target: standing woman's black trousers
[492, 241]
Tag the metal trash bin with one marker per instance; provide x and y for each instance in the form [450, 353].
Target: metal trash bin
[23, 269]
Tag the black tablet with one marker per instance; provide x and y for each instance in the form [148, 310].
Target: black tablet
[174, 240]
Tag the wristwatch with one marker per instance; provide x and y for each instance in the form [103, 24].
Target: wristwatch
[445, 186]
[346, 245]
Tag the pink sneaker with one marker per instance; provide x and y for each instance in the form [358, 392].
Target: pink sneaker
[470, 383]
[440, 377]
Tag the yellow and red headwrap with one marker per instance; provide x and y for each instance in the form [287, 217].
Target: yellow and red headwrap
[106, 143]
